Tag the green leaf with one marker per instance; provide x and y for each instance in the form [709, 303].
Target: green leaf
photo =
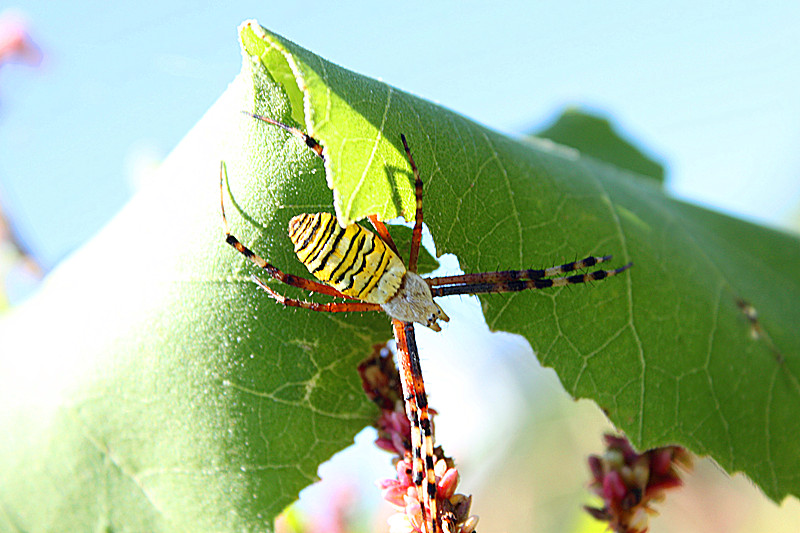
[151, 386]
[595, 136]
[665, 349]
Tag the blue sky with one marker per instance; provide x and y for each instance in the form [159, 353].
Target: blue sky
[710, 89]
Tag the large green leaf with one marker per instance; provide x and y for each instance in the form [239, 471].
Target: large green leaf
[595, 136]
[667, 349]
[150, 386]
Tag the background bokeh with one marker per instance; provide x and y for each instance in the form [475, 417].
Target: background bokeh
[709, 90]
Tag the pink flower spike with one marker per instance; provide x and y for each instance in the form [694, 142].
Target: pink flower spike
[596, 467]
[15, 43]
[412, 512]
[667, 483]
[385, 445]
[396, 497]
[404, 470]
[639, 521]
[393, 492]
[661, 463]
[630, 482]
[386, 483]
[399, 445]
[448, 484]
[614, 489]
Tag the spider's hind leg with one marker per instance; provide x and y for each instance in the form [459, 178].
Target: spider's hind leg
[332, 307]
[416, 236]
[418, 413]
[272, 270]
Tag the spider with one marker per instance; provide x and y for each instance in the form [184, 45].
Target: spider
[365, 268]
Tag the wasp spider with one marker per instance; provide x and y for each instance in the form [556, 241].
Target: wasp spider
[365, 268]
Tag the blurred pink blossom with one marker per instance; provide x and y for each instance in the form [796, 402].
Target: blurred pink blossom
[16, 44]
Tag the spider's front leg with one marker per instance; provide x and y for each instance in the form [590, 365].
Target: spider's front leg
[521, 280]
[514, 275]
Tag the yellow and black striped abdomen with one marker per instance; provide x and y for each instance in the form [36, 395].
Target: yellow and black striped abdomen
[354, 261]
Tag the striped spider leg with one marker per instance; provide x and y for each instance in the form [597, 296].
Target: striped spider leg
[355, 264]
[288, 279]
[520, 280]
[506, 280]
[416, 401]
[361, 265]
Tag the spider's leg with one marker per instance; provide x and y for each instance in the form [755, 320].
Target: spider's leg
[521, 285]
[416, 403]
[309, 141]
[416, 236]
[312, 143]
[514, 275]
[380, 227]
[272, 270]
[333, 307]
